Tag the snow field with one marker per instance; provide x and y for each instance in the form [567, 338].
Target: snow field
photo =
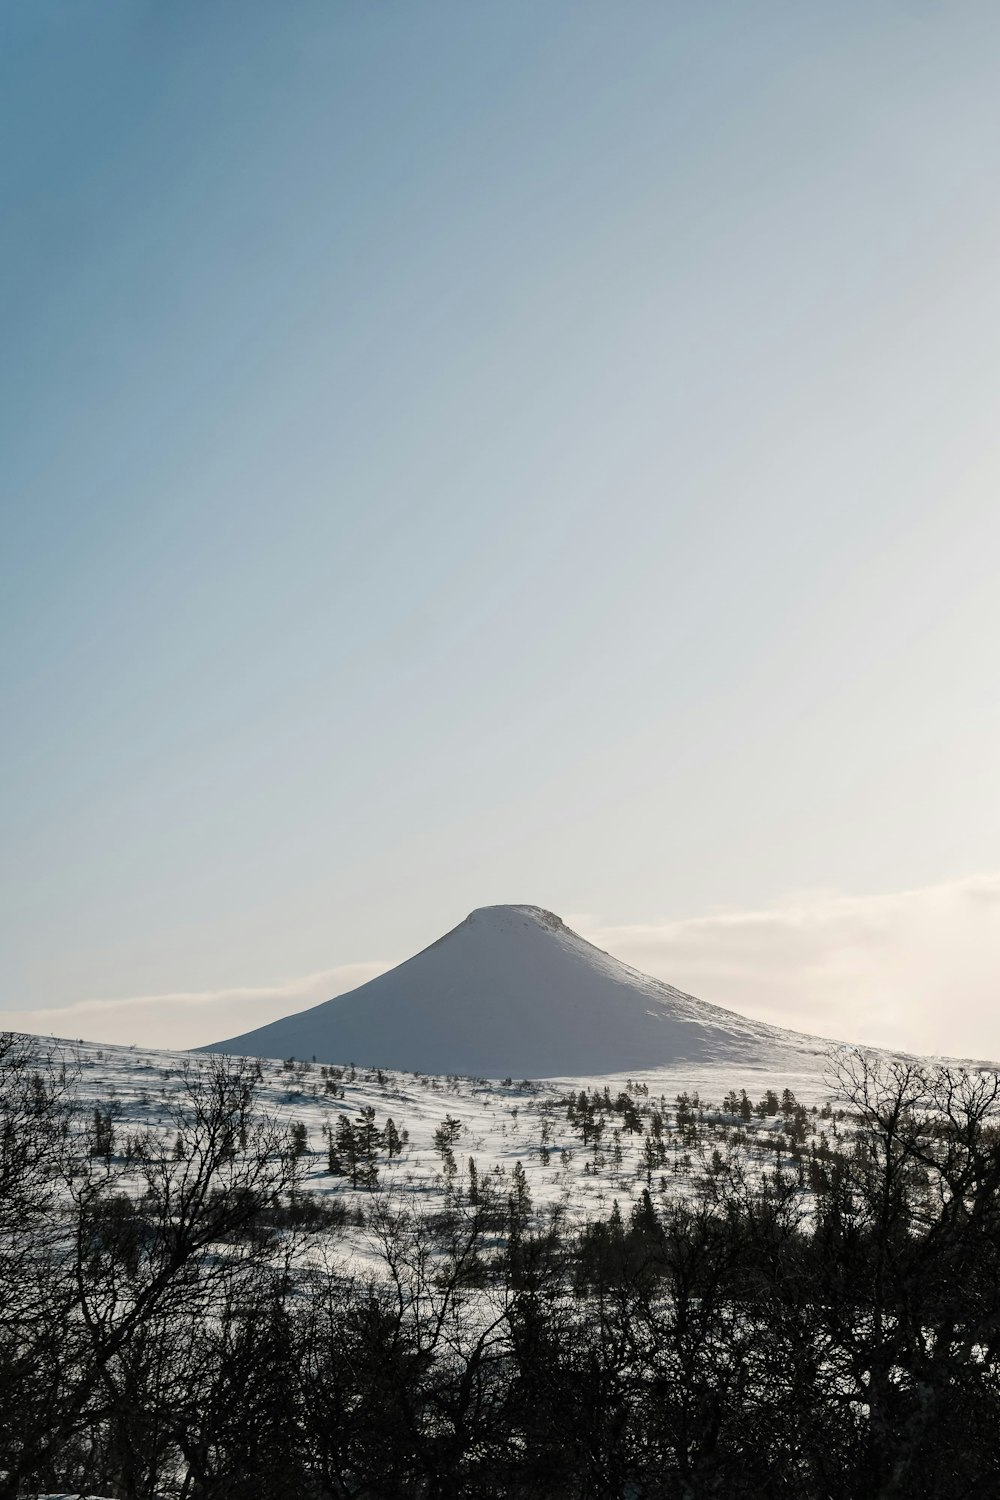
[500, 1124]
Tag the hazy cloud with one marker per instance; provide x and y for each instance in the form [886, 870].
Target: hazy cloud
[918, 969]
[189, 1018]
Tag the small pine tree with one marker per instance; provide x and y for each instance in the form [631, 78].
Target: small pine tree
[345, 1149]
[519, 1201]
[444, 1138]
[645, 1225]
[369, 1136]
[102, 1133]
[334, 1165]
[367, 1139]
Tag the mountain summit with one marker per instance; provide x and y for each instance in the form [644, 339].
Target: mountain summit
[513, 991]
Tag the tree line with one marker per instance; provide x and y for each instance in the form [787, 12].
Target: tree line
[179, 1318]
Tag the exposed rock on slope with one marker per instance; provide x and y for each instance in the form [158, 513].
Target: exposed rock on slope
[513, 990]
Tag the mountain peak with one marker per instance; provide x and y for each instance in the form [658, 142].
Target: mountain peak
[513, 991]
[510, 913]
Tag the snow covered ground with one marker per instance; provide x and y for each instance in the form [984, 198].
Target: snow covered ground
[500, 1123]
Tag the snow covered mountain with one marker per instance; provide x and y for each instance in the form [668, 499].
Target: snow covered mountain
[512, 991]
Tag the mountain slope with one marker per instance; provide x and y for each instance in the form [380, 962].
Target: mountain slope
[513, 991]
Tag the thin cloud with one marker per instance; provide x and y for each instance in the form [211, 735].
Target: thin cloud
[917, 970]
[189, 1018]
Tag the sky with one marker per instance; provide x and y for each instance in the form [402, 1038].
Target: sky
[454, 454]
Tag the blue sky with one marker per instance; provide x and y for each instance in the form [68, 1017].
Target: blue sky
[463, 453]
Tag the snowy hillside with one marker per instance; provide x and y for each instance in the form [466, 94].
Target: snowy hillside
[512, 991]
[526, 1123]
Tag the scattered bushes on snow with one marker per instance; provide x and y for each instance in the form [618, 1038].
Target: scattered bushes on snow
[185, 1321]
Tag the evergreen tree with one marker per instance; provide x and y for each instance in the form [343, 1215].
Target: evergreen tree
[102, 1133]
[445, 1136]
[346, 1150]
[519, 1199]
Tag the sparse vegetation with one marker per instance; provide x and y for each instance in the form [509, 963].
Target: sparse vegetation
[744, 1298]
